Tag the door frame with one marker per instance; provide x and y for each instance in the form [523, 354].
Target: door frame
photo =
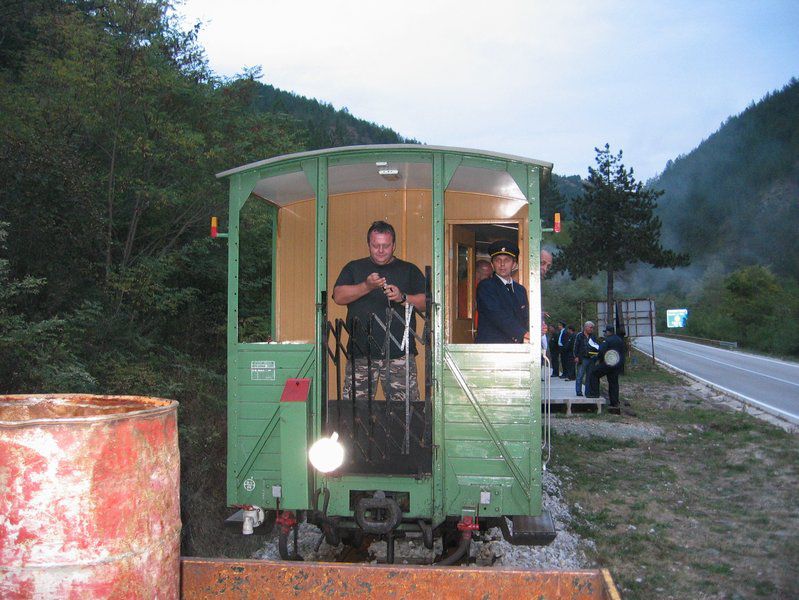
[450, 262]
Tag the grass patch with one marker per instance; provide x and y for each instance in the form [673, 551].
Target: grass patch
[592, 444]
[709, 509]
[640, 369]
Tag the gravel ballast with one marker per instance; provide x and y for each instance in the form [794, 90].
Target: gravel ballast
[615, 430]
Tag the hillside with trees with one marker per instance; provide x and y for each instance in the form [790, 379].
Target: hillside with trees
[732, 204]
[733, 199]
[112, 128]
[325, 127]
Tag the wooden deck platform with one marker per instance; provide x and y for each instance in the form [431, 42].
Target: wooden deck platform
[563, 393]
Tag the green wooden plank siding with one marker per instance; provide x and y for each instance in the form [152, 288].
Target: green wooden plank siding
[253, 404]
[499, 378]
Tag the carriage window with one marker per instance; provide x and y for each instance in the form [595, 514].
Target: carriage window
[468, 248]
[256, 231]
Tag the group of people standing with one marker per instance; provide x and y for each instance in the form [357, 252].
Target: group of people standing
[560, 348]
[579, 357]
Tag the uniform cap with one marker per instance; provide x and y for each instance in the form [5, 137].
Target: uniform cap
[504, 247]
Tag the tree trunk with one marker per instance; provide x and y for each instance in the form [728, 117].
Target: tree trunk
[109, 236]
[609, 316]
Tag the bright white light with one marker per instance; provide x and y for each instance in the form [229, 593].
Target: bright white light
[326, 454]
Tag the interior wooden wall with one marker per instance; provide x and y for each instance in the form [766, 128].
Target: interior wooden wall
[295, 306]
[463, 207]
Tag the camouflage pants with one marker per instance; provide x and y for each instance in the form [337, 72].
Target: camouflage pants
[396, 379]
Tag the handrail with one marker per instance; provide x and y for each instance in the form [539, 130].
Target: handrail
[547, 432]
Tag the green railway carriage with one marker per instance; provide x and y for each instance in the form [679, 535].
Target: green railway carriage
[466, 454]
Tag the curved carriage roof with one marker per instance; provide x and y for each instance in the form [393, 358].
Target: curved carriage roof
[282, 188]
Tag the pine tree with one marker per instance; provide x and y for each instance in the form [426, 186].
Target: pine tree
[614, 225]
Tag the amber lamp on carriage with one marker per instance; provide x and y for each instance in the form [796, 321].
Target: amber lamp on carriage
[214, 227]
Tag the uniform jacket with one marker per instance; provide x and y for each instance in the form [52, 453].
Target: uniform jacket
[562, 339]
[504, 316]
[613, 342]
[572, 337]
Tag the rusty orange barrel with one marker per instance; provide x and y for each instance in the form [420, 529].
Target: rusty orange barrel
[89, 497]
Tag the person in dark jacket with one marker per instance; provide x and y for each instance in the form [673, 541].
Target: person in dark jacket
[609, 363]
[585, 349]
[567, 359]
[501, 302]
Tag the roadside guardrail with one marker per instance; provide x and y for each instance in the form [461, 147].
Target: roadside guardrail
[720, 343]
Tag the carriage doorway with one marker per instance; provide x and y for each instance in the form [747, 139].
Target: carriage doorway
[468, 244]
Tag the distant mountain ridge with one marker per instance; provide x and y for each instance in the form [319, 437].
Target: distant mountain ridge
[324, 125]
[735, 198]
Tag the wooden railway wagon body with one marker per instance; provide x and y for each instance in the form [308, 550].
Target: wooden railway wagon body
[469, 452]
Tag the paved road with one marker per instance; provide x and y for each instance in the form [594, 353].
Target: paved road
[768, 383]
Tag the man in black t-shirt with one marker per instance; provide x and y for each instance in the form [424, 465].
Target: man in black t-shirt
[368, 287]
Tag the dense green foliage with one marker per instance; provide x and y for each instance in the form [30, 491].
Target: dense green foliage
[613, 225]
[751, 306]
[568, 187]
[111, 130]
[552, 201]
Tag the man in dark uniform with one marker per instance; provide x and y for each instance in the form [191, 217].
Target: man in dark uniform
[502, 302]
[368, 286]
[609, 363]
[568, 354]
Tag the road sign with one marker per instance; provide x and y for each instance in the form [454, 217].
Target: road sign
[676, 317]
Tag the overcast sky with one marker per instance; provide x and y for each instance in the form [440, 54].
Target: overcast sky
[545, 80]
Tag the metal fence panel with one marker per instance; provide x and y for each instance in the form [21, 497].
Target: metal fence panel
[638, 317]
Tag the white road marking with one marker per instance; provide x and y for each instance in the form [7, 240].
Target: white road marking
[767, 407]
[702, 356]
[738, 352]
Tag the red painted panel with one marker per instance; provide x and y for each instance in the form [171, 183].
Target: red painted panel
[296, 390]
